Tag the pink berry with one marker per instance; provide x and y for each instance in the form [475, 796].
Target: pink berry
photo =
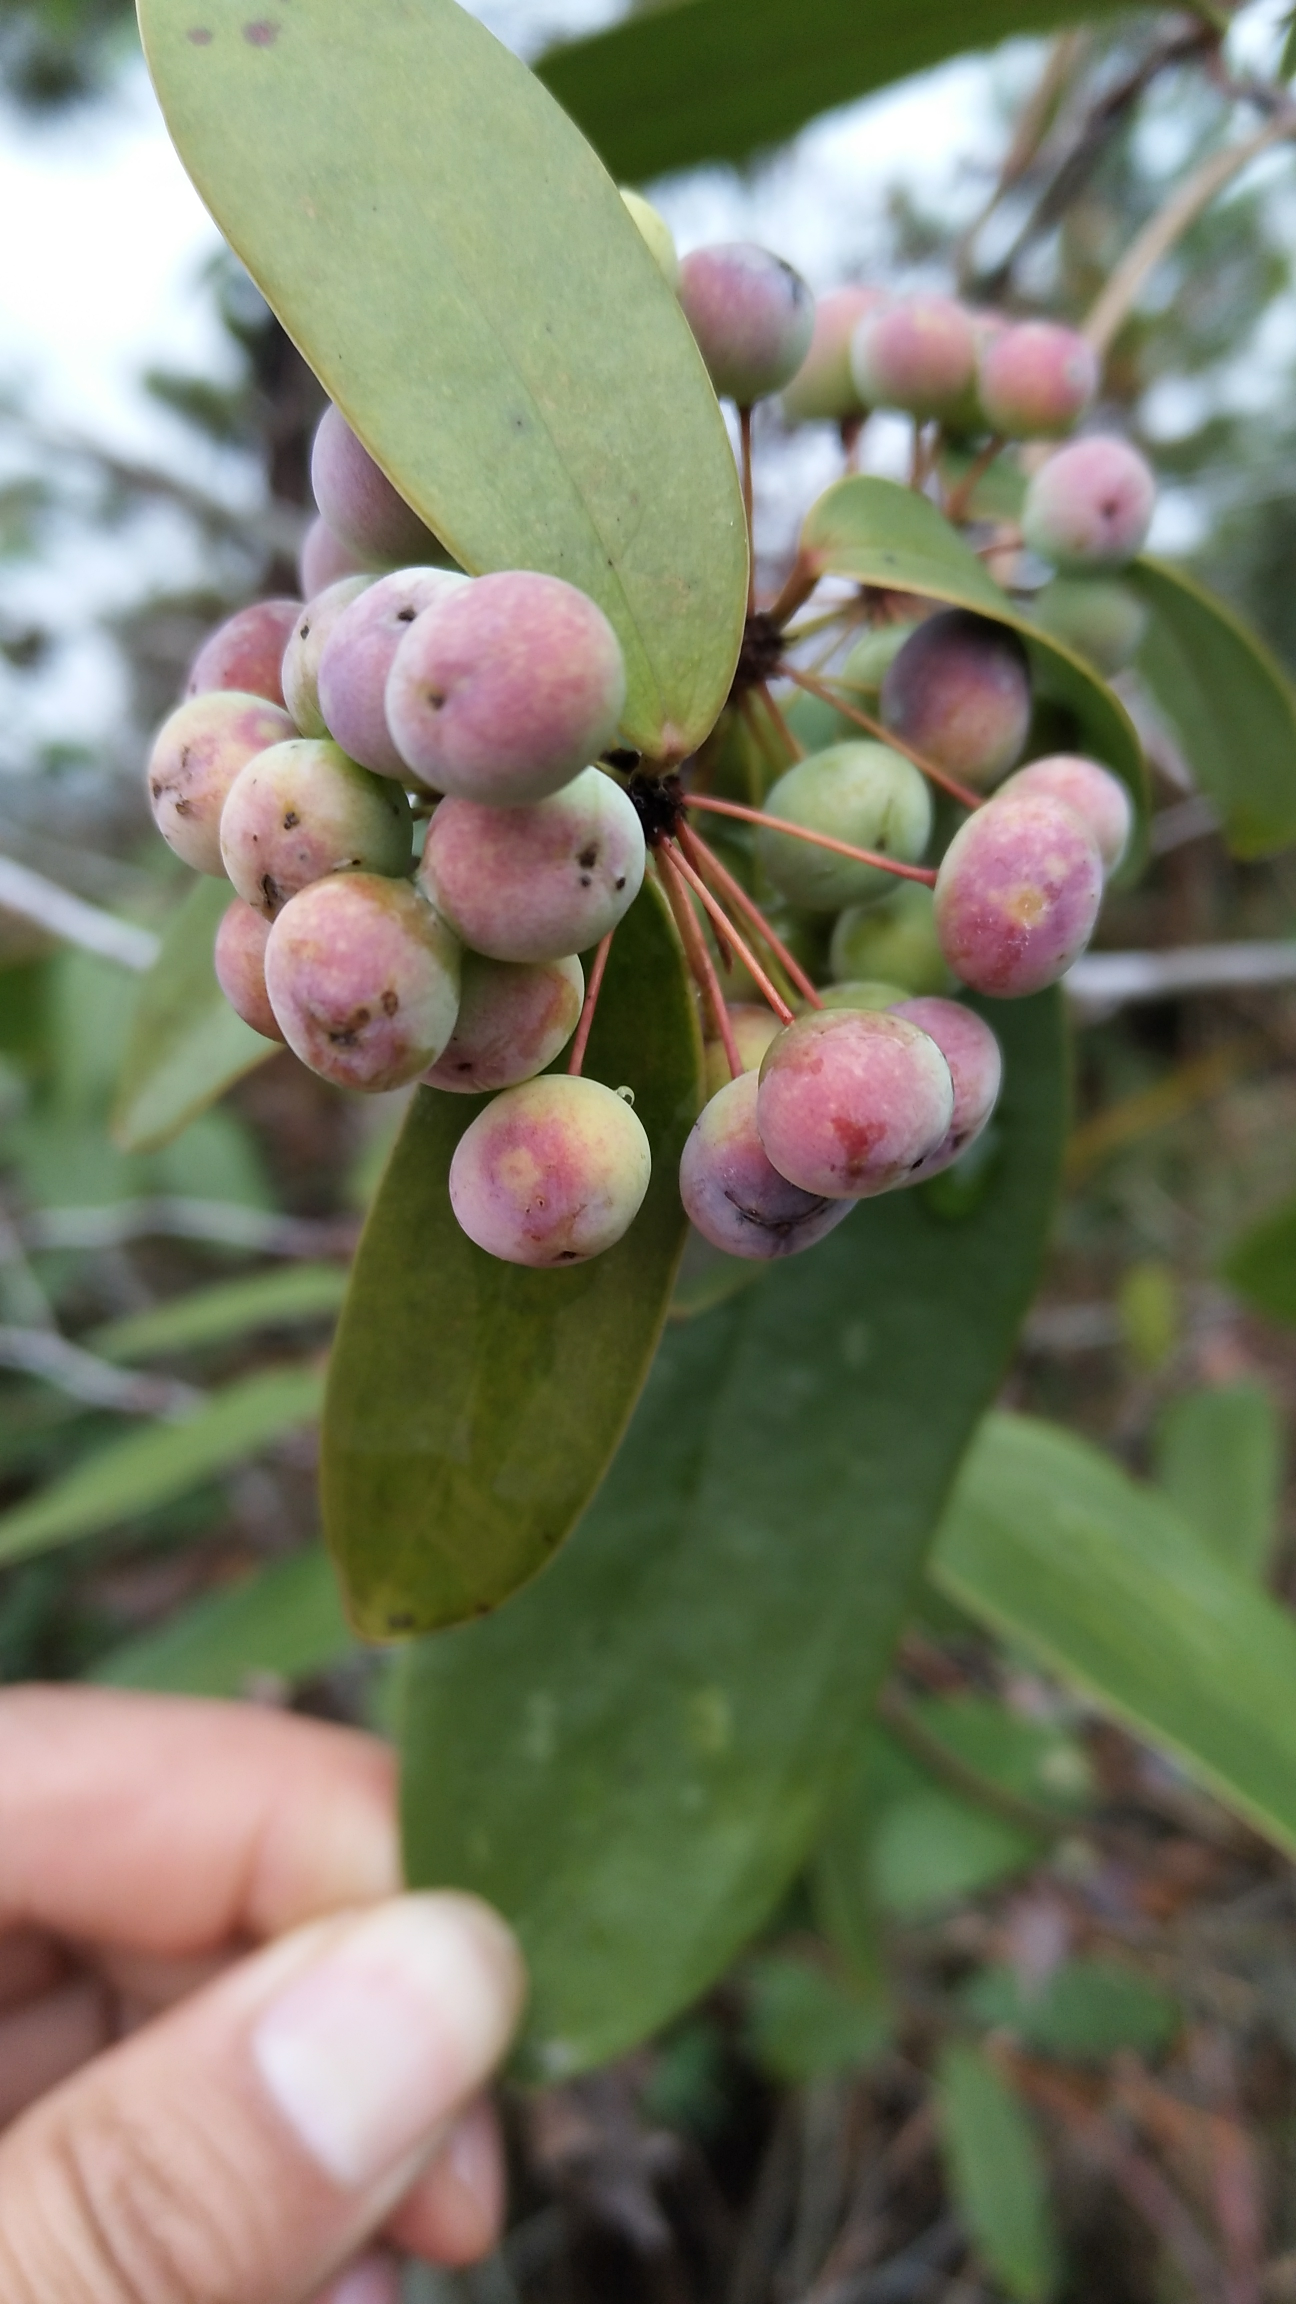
[513, 1020]
[752, 315]
[1098, 798]
[536, 883]
[732, 1194]
[851, 1100]
[246, 651]
[753, 1029]
[356, 657]
[504, 689]
[239, 961]
[552, 1172]
[1036, 379]
[972, 1053]
[306, 644]
[358, 500]
[959, 692]
[1091, 505]
[917, 353]
[301, 811]
[1018, 894]
[364, 980]
[324, 559]
[823, 385]
[197, 756]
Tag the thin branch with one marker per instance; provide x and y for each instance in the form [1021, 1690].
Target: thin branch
[1061, 70]
[825, 691]
[29, 896]
[793, 743]
[960, 496]
[581, 1041]
[705, 860]
[39, 1352]
[816, 839]
[699, 959]
[768, 990]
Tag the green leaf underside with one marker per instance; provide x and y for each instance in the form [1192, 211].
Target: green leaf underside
[151, 1467]
[880, 533]
[1050, 1543]
[464, 279]
[473, 1406]
[719, 79]
[635, 1756]
[286, 1620]
[186, 1045]
[1230, 705]
[997, 2174]
[227, 1310]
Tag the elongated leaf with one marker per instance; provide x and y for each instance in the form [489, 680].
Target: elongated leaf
[803, 2024]
[463, 278]
[1050, 1542]
[186, 1044]
[473, 1406]
[1087, 2009]
[1229, 702]
[718, 79]
[1219, 1457]
[881, 533]
[151, 1467]
[1261, 1264]
[634, 1757]
[997, 2174]
[286, 1619]
[229, 1309]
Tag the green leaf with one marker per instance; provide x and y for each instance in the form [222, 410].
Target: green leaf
[997, 2175]
[1086, 2010]
[228, 1309]
[1261, 1264]
[186, 1044]
[473, 1406]
[286, 1620]
[1101, 1580]
[880, 533]
[1024, 1759]
[1229, 702]
[152, 1467]
[933, 1850]
[802, 2024]
[1218, 1454]
[719, 79]
[634, 1758]
[461, 274]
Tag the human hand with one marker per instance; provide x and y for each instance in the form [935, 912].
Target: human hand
[221, 2077]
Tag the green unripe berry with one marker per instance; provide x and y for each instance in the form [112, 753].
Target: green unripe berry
[1099, 617]
[865, 794]
[894, 941]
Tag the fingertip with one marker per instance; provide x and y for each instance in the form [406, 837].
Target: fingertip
[455, 2213]
[374, 2280]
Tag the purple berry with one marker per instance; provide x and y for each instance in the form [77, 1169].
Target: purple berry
[324, 559]
[364, 980]
[358, 500]
[1097, 797]
[823, 385]
[306, 644]
[917, 353]
[1018, 894]
[513, 1020]
[959, 693]
[536, 883]
[301, 811]
[1091, 505]
[552, 1172]
[239, 961]
[851, 1100]
[1036, 379]
[972, 1053]
[504, 689]
[246, 651]
[752, 315]
[732, 1194]
[357, 654]
[197, 756]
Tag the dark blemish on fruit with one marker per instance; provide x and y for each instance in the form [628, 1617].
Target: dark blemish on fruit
[587, 860]
[291, 820]
[435, 698]
[261, 34]
[200, 36]
[405, 615]
[566, 1256]
[619, 885]
[586, 880]
[184, 807]
[185, 751]
[303, 630]
[390, 1003]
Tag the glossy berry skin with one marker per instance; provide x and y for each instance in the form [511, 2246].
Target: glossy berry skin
[863, 793]
[246, 651]
[733, 1195]
[1090, 506]
[302, 811]
[656, 232]
[752, 316]
[1097, 616]
[959, 693]
[823, 386]
[551, 1173]
[871, 658]
[364, 980]
[358, 500]
[851, 1099]
[536, 883]
[324, 559]
[1018, 894]
[916, 353]
[1098, 798]
[753, 1028]
[973, 1055]
[1036, 379]
[894, 940]
[513, 1020]
[356, 657]
[306, 644]
[239, 961]
[197, 756]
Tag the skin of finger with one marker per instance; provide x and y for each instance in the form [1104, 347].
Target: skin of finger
[455, 2212]
[174, 1825]
[41, 2043]
[31, 1964]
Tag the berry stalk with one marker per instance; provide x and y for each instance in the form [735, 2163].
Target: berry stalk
[725, 928]
[705, 860]
[699, 959]
[825, 692]
[581, 1040]
[817, 839]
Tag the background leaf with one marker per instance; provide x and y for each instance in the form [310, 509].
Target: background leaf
[284, 1620]
[1261, 1264]
[996, 2172]
[462, 276]
[473, 1406]
[223, 1312]
[634, 1758]
[186, 1044]
[1218, 1454]
[1085, 2010]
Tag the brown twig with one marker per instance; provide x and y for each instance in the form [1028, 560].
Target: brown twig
[961, 496]
[796, 748]
[822, 689]
[593, 989]
[816, 839]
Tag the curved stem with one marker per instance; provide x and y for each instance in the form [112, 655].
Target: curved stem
[961, 496]
[795, 747]
[704, 860]
[698, 957]
[725, 927]
[950, 784]
[816, 839]
[592, 991]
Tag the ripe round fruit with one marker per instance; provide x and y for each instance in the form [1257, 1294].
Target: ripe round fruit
[917, 353]
[239, 961]
[851, 1099]
[752, 316]
[1099, 799]
[504, 689]
[959, 693]
[552, 1172]
[364, 980]
[1091, 505]
[1018, 894]
[1036, 379]
[657, 233]
[976, 1068]
[1097, 616]
[894, 940]
[324, 559]
[823, 385]
[197, 756]
[356, 654]
[358, 500]
[513, 1020]
[733, 1195]
[246, 651]
[301, 811]
[862, 793]
[872, 656]
[536, 883]
[306, 644]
